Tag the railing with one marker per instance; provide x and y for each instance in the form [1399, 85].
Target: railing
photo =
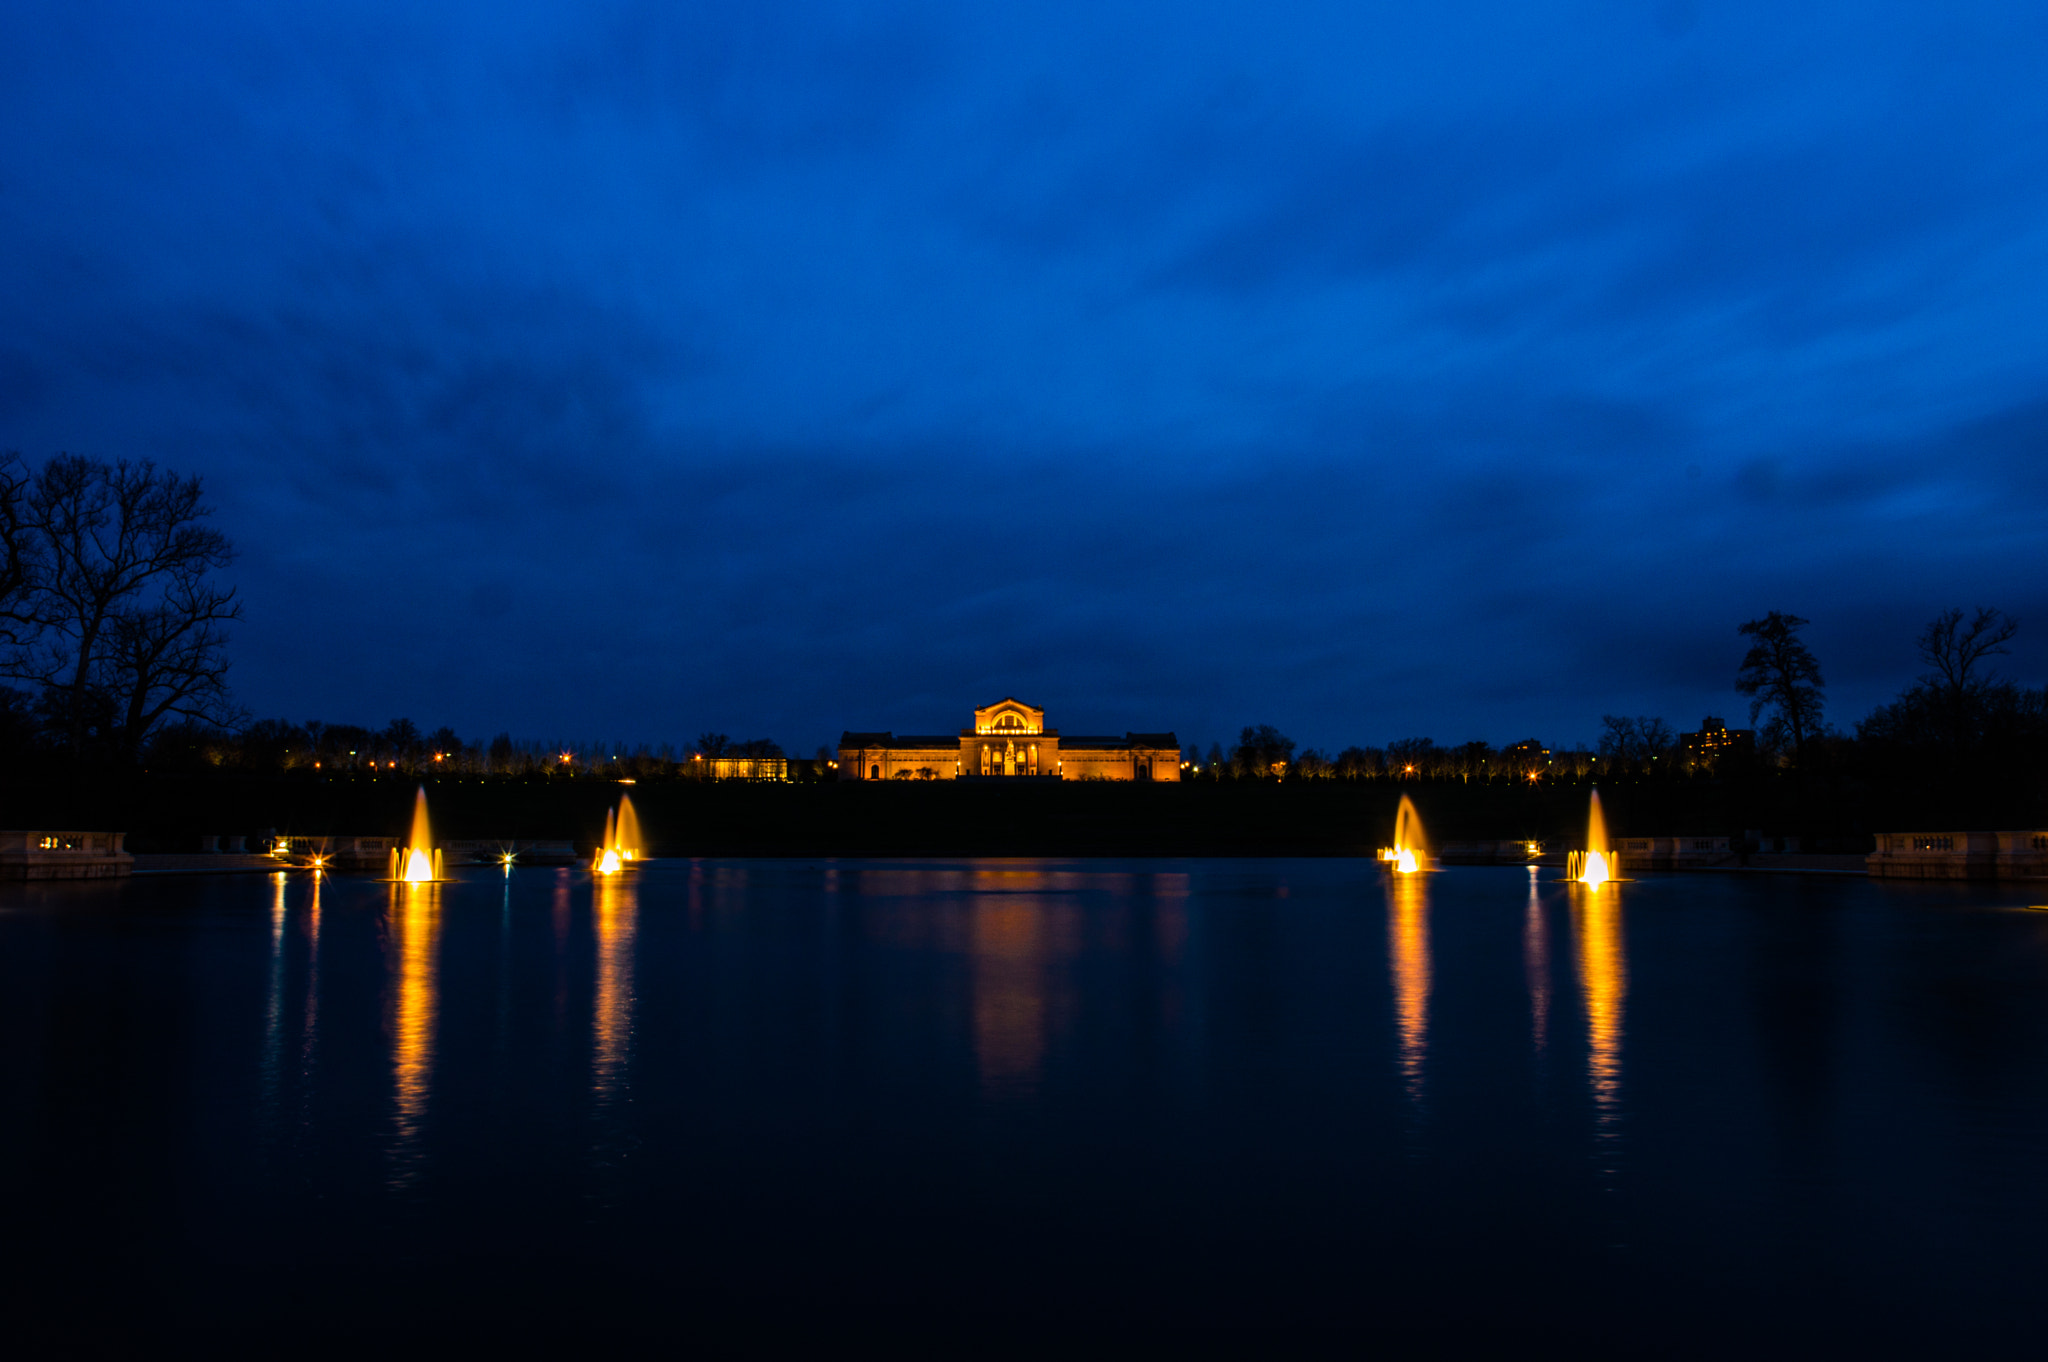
[64, 843]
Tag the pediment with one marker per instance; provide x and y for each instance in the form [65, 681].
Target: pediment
[1009, 715]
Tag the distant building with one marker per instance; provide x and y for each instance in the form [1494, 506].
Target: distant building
[1530, 757]
[1009, 740]
[738, 768]
[1704, 749]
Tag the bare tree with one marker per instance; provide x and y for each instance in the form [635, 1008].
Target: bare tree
[1780, 673]
[1637, 743]
[169, 658]
[19, 558]
[1619, 742]
[1413, 757]
[1357, 763]
[1954, 652]
[131, 630]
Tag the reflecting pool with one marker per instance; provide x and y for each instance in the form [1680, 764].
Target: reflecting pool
[996, 1106]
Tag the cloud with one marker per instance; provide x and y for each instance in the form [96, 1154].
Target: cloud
[806, 366]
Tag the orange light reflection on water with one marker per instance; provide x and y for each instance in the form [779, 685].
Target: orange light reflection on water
[616, 919]
[1009, 951]
[309, 1026]
[1536, 962]
[1603, 982]
[1408, 950]
[273, 1016]
[415, 936]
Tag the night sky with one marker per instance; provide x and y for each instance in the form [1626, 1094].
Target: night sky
[1372, 370]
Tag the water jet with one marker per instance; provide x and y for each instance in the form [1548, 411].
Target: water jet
[1408, 854]
[621, 844]
[419, 861]
[1595, 865]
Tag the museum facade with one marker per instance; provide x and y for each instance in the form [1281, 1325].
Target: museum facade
[1009, 741]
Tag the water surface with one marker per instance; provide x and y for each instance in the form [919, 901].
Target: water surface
[1004, 1105]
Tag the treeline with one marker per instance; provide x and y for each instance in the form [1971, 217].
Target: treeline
[113, 633]
[280, 746]
[1628, 746]
[1966, 736]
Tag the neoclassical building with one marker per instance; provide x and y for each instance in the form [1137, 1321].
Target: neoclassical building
[1009, 740]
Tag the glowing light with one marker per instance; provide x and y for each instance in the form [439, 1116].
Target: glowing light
[417, 862]
[1593, 867]
[1405, 856]
[621, 839]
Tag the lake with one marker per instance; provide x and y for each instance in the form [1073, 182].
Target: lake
[989, 1108]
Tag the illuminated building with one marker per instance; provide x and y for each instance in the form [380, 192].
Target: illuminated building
[738, 768]
[1529, 758]
[1702, 750]
[1009, 741]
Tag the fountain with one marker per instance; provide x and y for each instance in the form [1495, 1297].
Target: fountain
[1407, 854]
[420, 860]
[1594, 866]
[629, 830]
[621, 842]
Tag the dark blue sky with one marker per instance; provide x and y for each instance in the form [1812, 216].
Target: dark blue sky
[1371, 370]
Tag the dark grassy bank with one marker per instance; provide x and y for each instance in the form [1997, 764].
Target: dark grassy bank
[170, 812]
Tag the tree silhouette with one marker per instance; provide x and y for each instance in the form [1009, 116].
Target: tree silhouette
[1262, 751]
[1780, 674]
[19, 559]
[1954, 652]
[124, 627]
[1634, 743]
